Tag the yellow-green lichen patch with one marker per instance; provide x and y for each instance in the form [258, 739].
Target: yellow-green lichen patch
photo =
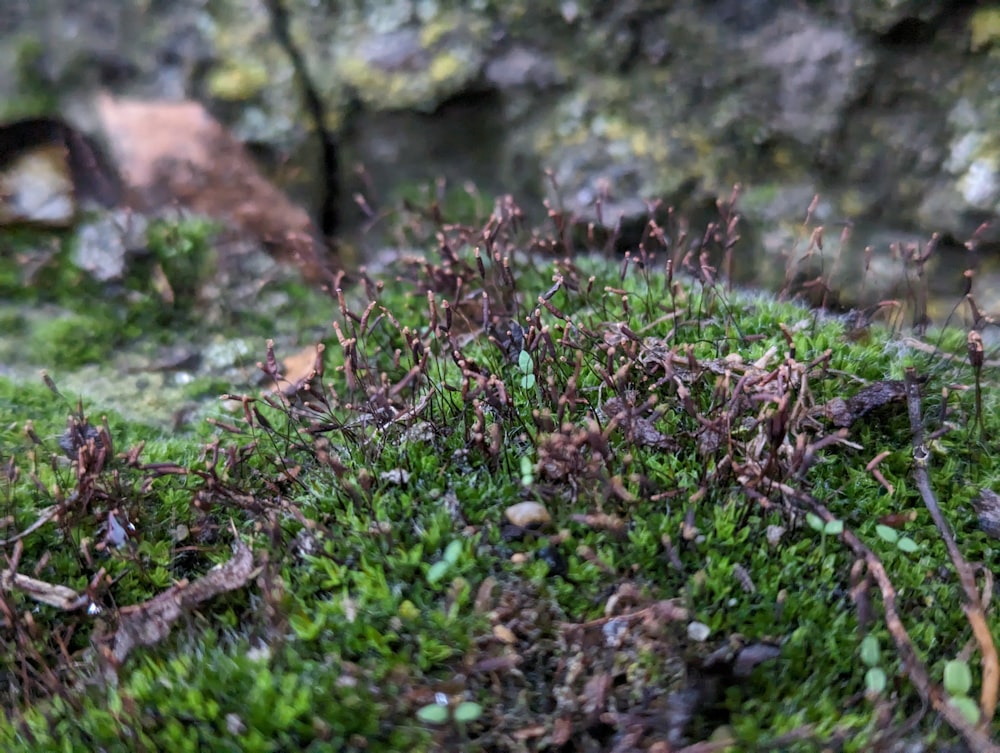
[984, 26]
[412, 67]
[238, 81]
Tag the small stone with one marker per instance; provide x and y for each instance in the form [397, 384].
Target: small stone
[614, 632]
[528, 515]
[699, 631]
[504, 634]
[987, 505]
[235, 725]
[774, 534]
[397, 476]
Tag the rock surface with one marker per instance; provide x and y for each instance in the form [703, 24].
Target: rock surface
[889, 110]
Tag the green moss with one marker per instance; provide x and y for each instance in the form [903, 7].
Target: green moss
[64, 319]
[37, 95]
[36, 266]
[375, 503]
[73, 341]
[181, 257]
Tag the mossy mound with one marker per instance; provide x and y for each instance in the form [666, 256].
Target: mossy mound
[704, 457]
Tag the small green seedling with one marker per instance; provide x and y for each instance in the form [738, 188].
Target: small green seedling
[441, 568]
[903, 543]
[829, 528]
[958, 683]
[527, 368]
[440, 713]
[871, 656]
[527, 471]
[433, 713]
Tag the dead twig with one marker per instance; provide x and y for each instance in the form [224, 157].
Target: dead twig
[148, 623]
[44, 517]
[974, 736]
[53, 594]
[973, 607]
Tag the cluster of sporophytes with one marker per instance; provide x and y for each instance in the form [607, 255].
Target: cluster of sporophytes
[718, 485]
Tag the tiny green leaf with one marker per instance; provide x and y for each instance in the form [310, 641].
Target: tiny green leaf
[467, 711]
[875, 680]
[870, 651]
[889, 534]
[433, 713]
[452, 552]
[527, 471]
[968, 707]
[957, 677]
[815, 521]
[834, 527]
[908, 545]
[524, 362]
[437, 571]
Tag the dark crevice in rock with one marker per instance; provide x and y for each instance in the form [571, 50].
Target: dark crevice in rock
[472, 98]
[633, 52]
[329, 217]
[908, 32]
[916, 31]
[92, 174]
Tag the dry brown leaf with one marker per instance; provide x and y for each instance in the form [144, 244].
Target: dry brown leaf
[296, 371]
[176, 154]
[639, 429]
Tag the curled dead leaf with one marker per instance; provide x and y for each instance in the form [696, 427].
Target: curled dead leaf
[845, 412]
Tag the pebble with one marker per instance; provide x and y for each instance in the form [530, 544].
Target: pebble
[699, 631]
[528, 515]
[774, 534]
[504, 634]
[396, 476]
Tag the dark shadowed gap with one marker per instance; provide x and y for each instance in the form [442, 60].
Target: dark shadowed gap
[329, 217]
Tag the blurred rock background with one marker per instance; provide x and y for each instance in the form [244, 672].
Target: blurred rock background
[889, 110]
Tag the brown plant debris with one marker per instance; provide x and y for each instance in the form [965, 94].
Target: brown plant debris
[149, 623]
[639, 429]
[52, 594]
[844, 413]
[987, 504]
[974, 608]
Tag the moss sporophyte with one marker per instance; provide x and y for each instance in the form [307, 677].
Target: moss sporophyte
[512, 501]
